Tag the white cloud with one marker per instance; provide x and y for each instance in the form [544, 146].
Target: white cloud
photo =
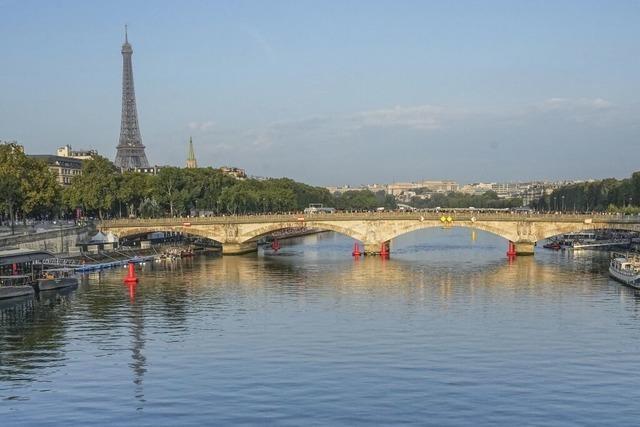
[596, 111]
[421, 117]
[573, 104]
[201, 126]
[335, 130]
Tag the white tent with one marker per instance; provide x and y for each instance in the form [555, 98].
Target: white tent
[101, 237]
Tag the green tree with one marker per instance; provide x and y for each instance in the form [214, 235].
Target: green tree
[169, 188]
[10, 195]
[635, 188]
[239, 199]
[357, 200]
[41, 191]
[28, 186]
[133, 188]
[96, 189]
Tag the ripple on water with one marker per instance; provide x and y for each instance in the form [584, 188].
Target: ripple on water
[446, 332]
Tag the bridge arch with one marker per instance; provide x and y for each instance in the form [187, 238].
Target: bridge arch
[267, 229]
[561, 228]
[410, 228]
[140, 231]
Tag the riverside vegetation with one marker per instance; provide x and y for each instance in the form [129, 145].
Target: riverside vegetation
[28, 189]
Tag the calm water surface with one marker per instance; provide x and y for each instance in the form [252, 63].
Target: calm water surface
[446, 332]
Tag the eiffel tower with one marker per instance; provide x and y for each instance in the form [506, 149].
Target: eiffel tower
[130, 154]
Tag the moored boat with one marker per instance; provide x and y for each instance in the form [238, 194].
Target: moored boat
[15, 286]
[56, 279]
[552, 245]
[625, 269]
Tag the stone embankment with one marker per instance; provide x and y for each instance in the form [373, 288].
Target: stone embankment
[62, 240]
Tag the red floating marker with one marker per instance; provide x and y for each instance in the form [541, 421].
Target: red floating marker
[384, 251]
[131, 276]
[356, 250]
[511, 251]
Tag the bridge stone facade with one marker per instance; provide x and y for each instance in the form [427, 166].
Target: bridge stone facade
[239, 234]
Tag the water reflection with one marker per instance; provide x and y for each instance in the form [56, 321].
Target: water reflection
[138, 363]
[32, 334]
[237, 337]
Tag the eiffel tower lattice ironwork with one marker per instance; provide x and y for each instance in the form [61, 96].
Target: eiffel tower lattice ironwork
[130, 151]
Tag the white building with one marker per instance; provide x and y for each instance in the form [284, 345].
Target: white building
[439, 186]
[66, 151]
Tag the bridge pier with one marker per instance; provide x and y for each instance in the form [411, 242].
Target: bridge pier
[375, 248]
[239, 248]
[524, 248]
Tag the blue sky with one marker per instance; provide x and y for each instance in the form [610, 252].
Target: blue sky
[342, 92]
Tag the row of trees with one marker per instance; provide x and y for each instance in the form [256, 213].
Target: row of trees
[613, 195]
[29, 189]
[27, 186]
[489, 199]
[176, 191]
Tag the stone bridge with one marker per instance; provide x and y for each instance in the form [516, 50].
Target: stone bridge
[239, 234]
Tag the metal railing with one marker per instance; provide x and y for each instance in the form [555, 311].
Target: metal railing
[58, 262]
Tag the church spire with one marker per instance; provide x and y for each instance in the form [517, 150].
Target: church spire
[191, 158]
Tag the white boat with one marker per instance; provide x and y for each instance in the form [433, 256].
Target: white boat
[626, 269]
[601, 244]
[16, 286]
[56, 279]
[577, 240]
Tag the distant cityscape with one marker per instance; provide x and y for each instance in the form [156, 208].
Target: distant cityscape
[405, 192]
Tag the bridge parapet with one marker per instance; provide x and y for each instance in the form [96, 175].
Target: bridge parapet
[465, 216]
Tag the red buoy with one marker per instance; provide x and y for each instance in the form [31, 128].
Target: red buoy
[131, 275]
[384, 251]
[275, 245]
[356, 250]
[511, 251]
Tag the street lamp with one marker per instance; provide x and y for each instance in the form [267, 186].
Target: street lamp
[563, 203]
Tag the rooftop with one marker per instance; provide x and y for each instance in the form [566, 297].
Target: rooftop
[11, 256]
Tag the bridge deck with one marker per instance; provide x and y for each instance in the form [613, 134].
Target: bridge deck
[371, 216]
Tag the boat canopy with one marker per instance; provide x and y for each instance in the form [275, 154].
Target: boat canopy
[18, 256]
[16, 276]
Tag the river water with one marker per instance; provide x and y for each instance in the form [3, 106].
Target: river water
[446, 332]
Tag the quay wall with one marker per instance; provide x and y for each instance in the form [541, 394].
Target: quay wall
[57, 241]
